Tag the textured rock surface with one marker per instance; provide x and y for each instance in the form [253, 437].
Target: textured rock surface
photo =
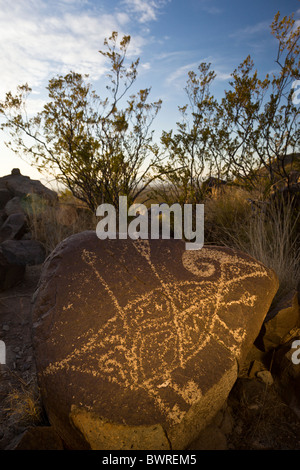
[281, 321]
[137, 343]
[10, 275]
[5, 196]
[20, 186]
[23, 252]
[287, 367]
[14, 227]
[15, 255]
[14, 206]
[38, 438]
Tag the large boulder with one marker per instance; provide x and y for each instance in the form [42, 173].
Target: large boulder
[23, 252]
[37, 438]
[14, 206]
[15, 255]
[281, 322]
[5, 196]
[287, 369]
[138, 343]
[20, 186]
[14, 227]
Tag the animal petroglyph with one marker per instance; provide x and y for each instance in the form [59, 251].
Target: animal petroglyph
[151, 341]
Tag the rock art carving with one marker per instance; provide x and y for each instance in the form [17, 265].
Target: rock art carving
[136, 350]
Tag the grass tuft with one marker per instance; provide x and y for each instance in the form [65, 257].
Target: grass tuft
[23, 406]
[266, 230]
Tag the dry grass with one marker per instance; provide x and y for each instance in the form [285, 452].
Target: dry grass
[273, 241]
[50, 224]
[225, 213]
[266, 231]
[23, 407]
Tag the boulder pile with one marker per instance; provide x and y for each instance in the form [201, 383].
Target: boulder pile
[17, 249]
[138, 343]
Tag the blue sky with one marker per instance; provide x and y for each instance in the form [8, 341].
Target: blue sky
[40, 39]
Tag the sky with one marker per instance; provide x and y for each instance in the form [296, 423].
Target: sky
[41, 39]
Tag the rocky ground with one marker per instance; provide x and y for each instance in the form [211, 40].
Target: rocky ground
[19, 400]
[255, 416]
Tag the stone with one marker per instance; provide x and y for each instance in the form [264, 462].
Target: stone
[23, 252]
[14, 206]
[212, 182]
[3, 216]
[254, 368]
[10, 275]
[214, 436]
[15, 255]
[265, 376]
[14, 227]
[27, 236]
[38, 438]
[20, 185]
[280, 321]
[255, 354]
[255, 359]
[287, 369]
[138, 343]
[5, 196]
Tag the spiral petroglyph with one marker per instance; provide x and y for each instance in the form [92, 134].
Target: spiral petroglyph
[149, 326]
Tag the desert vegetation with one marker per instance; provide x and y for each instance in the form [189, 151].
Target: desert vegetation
[267, 230]
[239, 155]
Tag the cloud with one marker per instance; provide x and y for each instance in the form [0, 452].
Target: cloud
[180, 73]
[222, 76]
[179, 77]
[249, 31]
[145, 10]
[40, 39]
[173, 55]
[146, 66]
[211, 9]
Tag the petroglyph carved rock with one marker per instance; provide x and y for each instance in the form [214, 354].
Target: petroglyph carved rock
[138, 342]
